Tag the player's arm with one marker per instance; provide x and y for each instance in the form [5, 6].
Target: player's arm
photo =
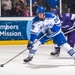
[33, 34]
[55, 27]
[73, 17]
[68, 25]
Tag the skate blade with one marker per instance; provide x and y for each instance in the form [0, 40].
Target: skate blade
[26, 62]
[56, 55]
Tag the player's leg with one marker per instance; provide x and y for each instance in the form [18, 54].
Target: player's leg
[71, 40]
[69, 50]
[56, 44]
[33, 50]
[71, 44]
[61, 41]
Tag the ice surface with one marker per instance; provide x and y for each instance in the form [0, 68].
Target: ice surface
[42, 63]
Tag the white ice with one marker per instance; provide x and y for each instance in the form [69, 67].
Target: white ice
[42, 64]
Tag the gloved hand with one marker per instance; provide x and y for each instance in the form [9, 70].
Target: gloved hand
[30, 45]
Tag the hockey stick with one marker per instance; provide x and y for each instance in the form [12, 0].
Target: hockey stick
[2, 65]
[69, 31]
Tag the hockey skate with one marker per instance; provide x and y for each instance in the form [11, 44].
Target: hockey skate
[28, 59]
[56, 52]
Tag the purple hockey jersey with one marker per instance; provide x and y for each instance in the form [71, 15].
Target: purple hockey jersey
[68, 22]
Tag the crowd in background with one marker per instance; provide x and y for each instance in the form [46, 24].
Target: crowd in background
[20, 8]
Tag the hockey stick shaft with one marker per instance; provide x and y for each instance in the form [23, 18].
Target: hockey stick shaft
[14, 57]
[69, 31]
[20, 53]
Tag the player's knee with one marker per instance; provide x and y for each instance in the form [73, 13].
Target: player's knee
[32, 51]
[35, 46]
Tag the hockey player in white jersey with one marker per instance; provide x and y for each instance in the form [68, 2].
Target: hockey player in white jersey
[51, 27]
[37, 25]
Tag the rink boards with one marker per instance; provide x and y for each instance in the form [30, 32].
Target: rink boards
[18, 42]
[15, 30]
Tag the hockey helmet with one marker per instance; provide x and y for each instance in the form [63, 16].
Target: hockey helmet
[54, 11]
[40, 9]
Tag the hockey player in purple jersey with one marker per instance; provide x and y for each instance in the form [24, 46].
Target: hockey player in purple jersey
[68, 24]
[51, 27]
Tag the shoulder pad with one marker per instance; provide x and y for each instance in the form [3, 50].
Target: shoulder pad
[49, 15]
[35, 19]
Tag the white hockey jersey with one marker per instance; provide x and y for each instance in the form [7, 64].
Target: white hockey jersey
[50, 22]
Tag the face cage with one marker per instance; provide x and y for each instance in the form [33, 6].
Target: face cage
[43, 16]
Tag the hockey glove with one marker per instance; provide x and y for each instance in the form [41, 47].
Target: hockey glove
[30, 45]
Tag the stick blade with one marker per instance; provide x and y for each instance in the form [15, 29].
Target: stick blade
[1, 65]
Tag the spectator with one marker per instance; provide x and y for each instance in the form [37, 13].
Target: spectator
[34, 5]
[21, 2]
[4, 11]
[8, 3]
[27, 11]
[33, 2]
[45, 4]
[17, 12]
[53, 3]
[71, 5]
